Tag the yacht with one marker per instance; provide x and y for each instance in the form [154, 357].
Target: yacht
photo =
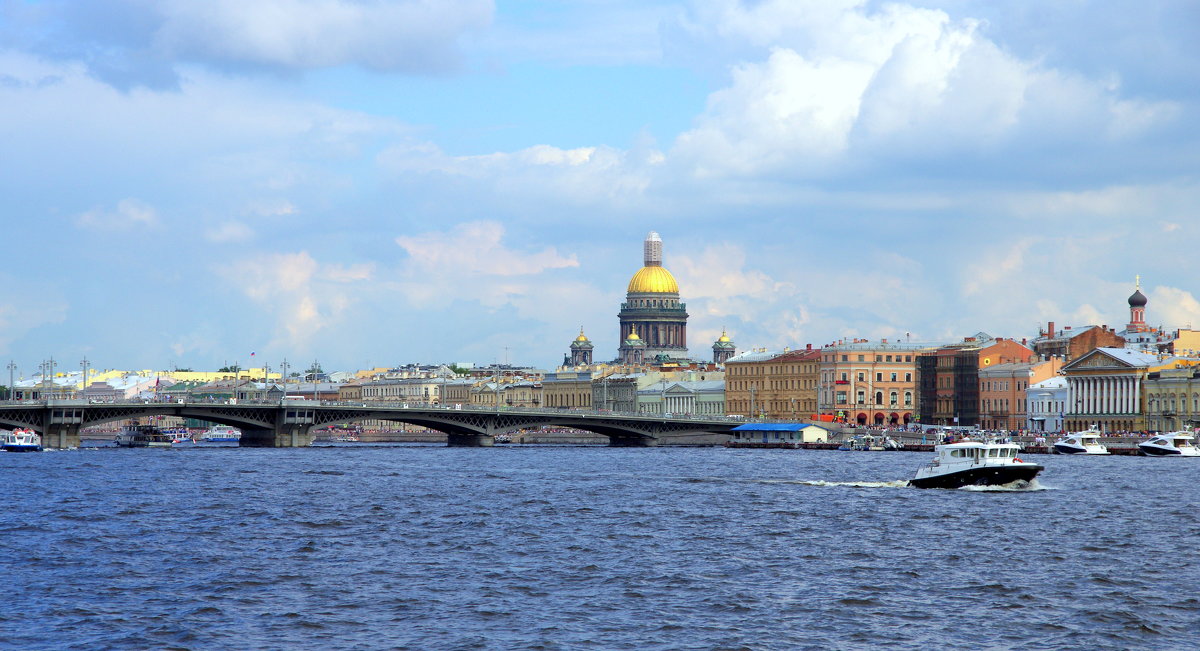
[1086, 442]
[21, 440]
[974, 463]
[1171, 444]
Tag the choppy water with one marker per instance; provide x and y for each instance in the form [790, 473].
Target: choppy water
[588, 548]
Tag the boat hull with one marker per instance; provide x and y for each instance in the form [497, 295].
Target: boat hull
[1152, 451]
[980, 476]
[22, 448]
[1069, 449]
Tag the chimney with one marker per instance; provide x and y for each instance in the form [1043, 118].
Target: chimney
[1050, 330]
[807, 346]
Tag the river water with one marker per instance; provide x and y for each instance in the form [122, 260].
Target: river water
[428, 547]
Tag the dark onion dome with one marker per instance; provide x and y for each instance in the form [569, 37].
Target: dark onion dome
[1138, 299]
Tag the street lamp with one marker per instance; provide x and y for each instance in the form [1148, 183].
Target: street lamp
[12, 366]
[83, 386]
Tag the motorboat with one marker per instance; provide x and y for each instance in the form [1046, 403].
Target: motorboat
[869, 442]
[1171, 444]
[142, 436]
[1085, 442]
[21, 440]
[221, 436]
[975, 463]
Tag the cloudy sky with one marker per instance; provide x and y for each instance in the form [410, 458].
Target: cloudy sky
[369, 183]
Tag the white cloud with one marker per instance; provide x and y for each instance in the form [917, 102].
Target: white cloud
[129, 214]
[846, 82]
[476, 248]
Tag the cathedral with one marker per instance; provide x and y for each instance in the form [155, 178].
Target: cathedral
[652, 320]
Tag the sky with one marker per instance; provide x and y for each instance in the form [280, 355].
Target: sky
[372, 183]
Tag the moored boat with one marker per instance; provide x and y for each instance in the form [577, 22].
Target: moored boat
[142, 436]
[1171, 444]
[221, 436]
[975, 463]
[1085, 442]
[21, 440]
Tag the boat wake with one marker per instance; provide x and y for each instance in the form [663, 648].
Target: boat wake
[899, 483]
[1019, 486]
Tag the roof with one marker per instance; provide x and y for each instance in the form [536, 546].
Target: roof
[776, 427]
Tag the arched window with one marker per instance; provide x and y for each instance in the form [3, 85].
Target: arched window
[879, 397]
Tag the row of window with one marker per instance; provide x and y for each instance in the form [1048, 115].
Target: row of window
[879, 359]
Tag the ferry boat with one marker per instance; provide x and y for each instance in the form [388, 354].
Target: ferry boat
[142, 436]
[1171, 444]
[974, 463]
[21, 440]
[1085, 442]
[221, 436]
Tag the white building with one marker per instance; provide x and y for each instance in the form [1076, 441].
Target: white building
[1047, 403]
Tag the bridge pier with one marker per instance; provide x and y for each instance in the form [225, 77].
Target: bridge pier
[61, 436]
[471, 440]
[280, 437]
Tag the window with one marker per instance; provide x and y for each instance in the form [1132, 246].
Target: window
[908, 377]
[841, 397]
[879, 397]
[861, 376]
[879, 377]
[861, 397]
[893, 377]
[860, 358]
[908, 358]
[889, 358]
[845, 358]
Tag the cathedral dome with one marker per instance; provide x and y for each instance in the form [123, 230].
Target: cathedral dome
[1138, 299]
[653, 280]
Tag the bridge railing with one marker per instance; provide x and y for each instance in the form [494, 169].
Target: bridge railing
[393, 405]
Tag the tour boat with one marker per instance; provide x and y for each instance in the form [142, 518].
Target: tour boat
[142, 436]
[1171, 444]
[21, 440]
[221, 436]
[974, 463]
[1086, 442]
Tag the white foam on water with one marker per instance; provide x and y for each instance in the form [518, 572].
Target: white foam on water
[899, 483]
[1018, 486]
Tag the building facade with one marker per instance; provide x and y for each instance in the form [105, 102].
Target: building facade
[1047, 404]
[773, 384]
[869, 382]
[1004, 392]
[1104, 390]
[567, 390]
[948, 377]
[1172, 397]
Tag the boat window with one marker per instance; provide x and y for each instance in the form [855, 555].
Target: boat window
[956, 453]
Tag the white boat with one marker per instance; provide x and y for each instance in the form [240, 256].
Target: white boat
[21, 440]
[1171, 444]
[221, 436]
[974, 463]
[1085, 442]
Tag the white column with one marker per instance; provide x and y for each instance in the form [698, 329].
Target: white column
[1091, 395]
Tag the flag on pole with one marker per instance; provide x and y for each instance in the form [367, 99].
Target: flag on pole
[252, 354]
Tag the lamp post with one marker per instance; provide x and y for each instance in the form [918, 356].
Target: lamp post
[284, 366]
[12, 366]
[83, 386]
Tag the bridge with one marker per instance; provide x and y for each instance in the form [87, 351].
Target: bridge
[291, 423]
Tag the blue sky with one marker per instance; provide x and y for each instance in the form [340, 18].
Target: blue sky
[371, 183]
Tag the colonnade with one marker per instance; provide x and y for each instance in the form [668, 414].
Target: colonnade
[1109, 394]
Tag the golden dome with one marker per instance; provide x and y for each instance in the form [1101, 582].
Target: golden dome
[581, 336]
[653, 280]
[724, 337]
[633, 336]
